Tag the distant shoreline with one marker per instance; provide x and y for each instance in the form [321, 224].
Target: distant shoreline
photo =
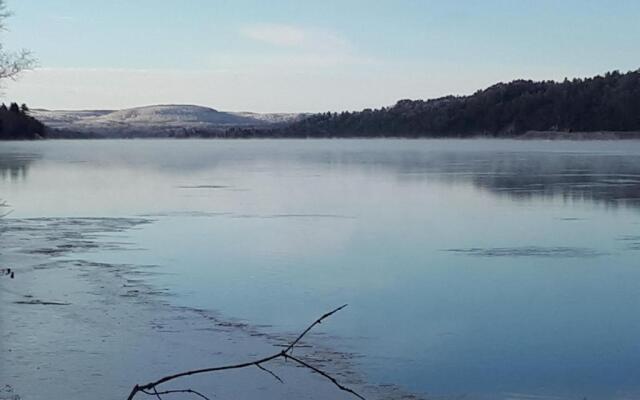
[266, 133]
[530, 135]
[596, 135]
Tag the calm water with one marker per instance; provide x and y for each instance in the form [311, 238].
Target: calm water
[497, 269]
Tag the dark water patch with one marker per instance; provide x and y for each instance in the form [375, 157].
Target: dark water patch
[273, 216]
[204, 187]
[629, 238]
[49, 252]
[337, 216]
[36, 302]
[529, 251]
[526, 396]
[184, 214]
[631, 242]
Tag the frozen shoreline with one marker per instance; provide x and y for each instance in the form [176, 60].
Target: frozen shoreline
[76, 329]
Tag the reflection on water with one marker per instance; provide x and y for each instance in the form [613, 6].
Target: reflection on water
[613, 179]
[14, 166]
[525, 171]
[492, 269]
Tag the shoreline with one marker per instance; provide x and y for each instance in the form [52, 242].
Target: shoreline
[529, 135]
[109, 318]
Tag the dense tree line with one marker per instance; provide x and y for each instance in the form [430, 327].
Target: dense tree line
[602, 103]
[17, 124]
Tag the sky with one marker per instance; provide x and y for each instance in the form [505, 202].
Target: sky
[305, 56]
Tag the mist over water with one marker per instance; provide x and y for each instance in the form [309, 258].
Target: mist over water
[496, 269]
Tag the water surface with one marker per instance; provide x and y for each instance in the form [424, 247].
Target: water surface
[492, 269]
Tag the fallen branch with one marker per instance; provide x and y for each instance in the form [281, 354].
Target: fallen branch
[151, 389]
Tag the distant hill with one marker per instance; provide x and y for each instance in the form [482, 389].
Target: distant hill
[609, 103]
[151, 121]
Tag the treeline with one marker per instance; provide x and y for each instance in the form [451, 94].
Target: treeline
[17, 124]
[602, 103]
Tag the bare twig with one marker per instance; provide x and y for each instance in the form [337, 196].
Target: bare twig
[329, 377]
[316, 322]
[191, 391]
[157, 394]
[151, 387]
[268, 371]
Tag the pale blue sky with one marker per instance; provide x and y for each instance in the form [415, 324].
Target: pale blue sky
[307, 55]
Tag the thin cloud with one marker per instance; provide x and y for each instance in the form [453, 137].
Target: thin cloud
[276, 35]
[293, 47]
[289, 36]
[62, 18]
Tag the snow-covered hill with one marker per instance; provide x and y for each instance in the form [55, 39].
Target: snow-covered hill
[272, 118]
[157, 120]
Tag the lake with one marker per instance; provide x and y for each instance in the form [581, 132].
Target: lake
[494, 269]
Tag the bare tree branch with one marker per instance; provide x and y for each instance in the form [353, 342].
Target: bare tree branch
[285, 354]
[13, 63]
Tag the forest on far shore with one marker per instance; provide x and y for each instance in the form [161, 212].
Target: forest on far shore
[17, 124]
[609, 103]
